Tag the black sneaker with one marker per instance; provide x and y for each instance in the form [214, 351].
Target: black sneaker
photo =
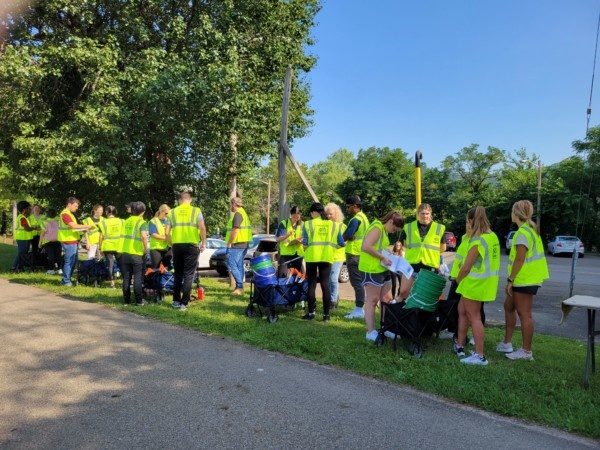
[308, 316]
[326, 318]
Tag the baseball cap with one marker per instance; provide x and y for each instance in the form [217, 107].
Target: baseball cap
[354, 200]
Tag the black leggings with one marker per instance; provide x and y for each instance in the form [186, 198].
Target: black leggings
[110, 259]
[321, 270]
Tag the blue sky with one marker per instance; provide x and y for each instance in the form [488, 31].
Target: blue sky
[441, 75]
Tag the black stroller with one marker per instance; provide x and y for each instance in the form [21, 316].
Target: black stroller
[92, 272]
[160, 282]
[285, 293]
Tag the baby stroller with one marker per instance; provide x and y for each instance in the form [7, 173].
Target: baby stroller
[92, 272]
[278, 292]
[416, 317]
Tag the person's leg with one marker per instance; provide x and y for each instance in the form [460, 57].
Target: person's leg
[127, 271]
[311, 277]
[156, 257]
[190, 263]
[167, 258]
[22, 248]
[372, 298]
[524, 306]
[235, 264]
[395, 282]
[510, 318]
[35, 243]
[473, 313]
[463, 323]
[53, 249]
[324, 277]
[356, 280]
[179, 267]
[405, 287]
[137, 268]
[110, 259]
[70, 251]
[334, 285]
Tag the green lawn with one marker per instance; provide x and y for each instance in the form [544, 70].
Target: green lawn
[547, 391]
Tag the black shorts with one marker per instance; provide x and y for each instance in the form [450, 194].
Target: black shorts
[526, 289]
[377, 279]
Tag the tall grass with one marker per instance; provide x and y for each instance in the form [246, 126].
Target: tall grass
[547, 391]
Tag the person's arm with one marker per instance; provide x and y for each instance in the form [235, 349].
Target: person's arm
[351, 230]
[27, 227]
[202, 228]
[516, 267]
[74, 225]
[472, 255]
[282, 233]
[144, 235]
[235, 228]
[368, 246]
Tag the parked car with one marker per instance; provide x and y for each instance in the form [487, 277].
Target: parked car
[450, 241]
[509, 239]
[211, 247]
[565, 244]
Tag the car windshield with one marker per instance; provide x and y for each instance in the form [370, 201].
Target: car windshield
[568, 238]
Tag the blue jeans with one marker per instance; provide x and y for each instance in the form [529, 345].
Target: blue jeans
[235, 265]
[334, 285]
[70, 251]
[22, 247]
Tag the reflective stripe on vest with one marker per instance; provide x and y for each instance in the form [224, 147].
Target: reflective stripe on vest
[426, 251]
[65, 232]
[353, 247]
[20, 233]
[535, 268]
[481, 283]
[131, 236]
[94, 232]
[322, 240]
[158, 244]
[244, 233]
[459, 257]
[286, 248]
[184, 224]
[111, 233]
[368, 263]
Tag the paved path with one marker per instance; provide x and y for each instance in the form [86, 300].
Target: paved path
[75, 375]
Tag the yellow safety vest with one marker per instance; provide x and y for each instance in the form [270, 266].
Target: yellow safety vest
[111, 233]
[158, 244]
[33, 221]
[535, 269]
[245, 232]
[459, 257]
[184, 224]
[20, 233]
[286, 247]
[65, 232]
[94, 232]
[340, 253]
[131, 236]
[426, 251]
[481, 283]
[353, 247]
[322, 240]
[367, 262]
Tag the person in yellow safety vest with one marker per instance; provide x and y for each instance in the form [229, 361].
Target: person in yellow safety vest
[320, 237]
[238, 238]
[133, 246]
[49, 241]
[353, 236]
[527, 269]
[377, 279]
[92, 236]
[477, 282]
[334, 213]
[110, 234]
[160, 250]
[187, 235]
[23, 231]
[36, 218]
[289, 236]
[423, 243]
[69, 233]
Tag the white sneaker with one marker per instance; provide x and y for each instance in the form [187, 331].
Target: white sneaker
[504, 348]
[371, 336]
[59, 272]
[520, 354]
[446, 334]
[356, 313]
[388, 334]
[50, 272]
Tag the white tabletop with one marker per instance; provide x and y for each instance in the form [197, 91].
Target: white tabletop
[583, 301]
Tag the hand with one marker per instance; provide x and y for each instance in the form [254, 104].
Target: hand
[202, 248]
[508, 289]
[386, 261]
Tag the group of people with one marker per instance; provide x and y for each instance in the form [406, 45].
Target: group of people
[177, 236]
[324, 242]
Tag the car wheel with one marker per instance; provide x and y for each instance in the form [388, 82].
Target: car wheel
[344, 275]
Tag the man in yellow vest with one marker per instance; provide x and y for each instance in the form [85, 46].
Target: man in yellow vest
[353, 236]
[187, 234]
[69, 233]
[238, 238]
[23, 232]
[133, 247]
[289, 236]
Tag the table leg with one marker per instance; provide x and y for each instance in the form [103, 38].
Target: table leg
[590, 359]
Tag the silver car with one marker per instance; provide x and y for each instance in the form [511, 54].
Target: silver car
[565, 244]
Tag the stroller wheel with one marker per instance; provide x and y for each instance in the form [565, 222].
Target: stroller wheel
[272, 317]
[250, 311]
[417, 351]
[380, 340]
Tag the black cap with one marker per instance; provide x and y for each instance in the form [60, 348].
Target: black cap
[354, 200]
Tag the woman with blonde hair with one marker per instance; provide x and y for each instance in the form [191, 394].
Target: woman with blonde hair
[334, 213]
[377, 279]
[477, 282]
[527, 269]
[159, 244]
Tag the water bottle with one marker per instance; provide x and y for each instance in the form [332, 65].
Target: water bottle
[200, 293]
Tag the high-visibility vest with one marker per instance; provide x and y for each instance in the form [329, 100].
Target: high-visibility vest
[459, 257]
[158, 244]
[20, 233]
[131, 236]
[286, 247]
[368, 263]
[353, 247]
[322, 240]
[94, 232]
[65, 232]
[340, 253]
[184, 224]
[245, 231]
[535, 267]
[33, 221]
[481, 283]
[111, 233]
[426, 251]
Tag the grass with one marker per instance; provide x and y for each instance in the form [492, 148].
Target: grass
[547, 391]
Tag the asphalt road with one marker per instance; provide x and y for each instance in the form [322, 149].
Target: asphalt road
[75, 375]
